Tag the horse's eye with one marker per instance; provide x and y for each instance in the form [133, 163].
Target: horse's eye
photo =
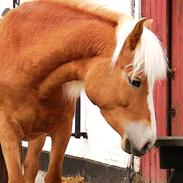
[135, 82]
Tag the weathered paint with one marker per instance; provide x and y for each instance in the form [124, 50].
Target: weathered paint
[177, 66]
[157, 10]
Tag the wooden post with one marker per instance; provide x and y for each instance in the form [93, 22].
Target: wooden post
[3, 171]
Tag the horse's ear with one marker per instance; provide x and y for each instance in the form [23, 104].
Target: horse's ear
[135, 35]
[148, 23]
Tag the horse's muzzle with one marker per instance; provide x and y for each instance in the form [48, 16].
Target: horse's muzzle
[131, 149]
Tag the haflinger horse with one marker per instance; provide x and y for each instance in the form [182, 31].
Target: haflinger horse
[49, 51]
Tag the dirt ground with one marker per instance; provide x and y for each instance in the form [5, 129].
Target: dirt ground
[73, 180]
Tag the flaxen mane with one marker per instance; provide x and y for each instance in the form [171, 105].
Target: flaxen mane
[149, 56]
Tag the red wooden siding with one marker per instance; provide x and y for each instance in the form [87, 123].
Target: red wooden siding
[177, 66]
[157, 10]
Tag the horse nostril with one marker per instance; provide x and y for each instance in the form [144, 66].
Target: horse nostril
[125, 144]
[146, 147]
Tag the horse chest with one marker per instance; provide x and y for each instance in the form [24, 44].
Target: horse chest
[29, 121]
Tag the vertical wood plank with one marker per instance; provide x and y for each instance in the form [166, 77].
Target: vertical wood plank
[177, 66]
[157, 10]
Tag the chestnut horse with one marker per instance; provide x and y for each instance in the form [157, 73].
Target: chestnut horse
[49, 51]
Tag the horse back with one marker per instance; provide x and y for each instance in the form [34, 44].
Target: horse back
[37, 37]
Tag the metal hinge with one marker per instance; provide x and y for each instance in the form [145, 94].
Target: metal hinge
[16, 3]
[171, 74]
[172, 112]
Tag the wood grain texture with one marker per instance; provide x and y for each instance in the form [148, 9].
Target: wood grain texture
[177, 66]
[150, 167]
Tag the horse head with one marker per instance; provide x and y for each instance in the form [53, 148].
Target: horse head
[123, 88]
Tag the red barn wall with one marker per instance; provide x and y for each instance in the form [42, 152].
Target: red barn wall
[177, 66]
[158, 11]
[168, 24]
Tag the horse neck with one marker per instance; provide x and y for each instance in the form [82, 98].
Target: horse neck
[72, 71]
[78, 69]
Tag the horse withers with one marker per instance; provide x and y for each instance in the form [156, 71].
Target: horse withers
[49, 51]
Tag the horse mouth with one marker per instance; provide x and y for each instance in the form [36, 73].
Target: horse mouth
[127, 147]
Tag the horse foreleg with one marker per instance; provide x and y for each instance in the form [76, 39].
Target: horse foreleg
[11, 150]
[59, 143]
[31, 163]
